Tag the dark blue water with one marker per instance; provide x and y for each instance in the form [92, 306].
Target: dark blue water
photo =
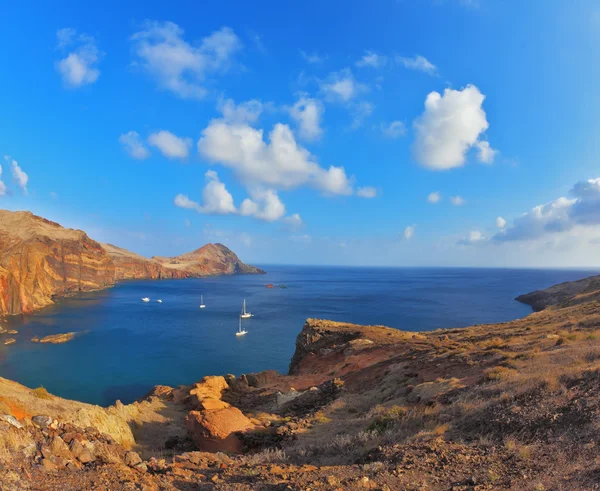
[125, 346]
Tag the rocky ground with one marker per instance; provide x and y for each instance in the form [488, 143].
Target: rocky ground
[505, 406]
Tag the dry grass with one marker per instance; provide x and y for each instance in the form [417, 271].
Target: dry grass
[12, 441]
[41, 393]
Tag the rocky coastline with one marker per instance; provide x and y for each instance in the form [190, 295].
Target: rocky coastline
[41, 261]
[499, 406]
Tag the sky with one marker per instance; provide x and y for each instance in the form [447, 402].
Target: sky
[339, 132]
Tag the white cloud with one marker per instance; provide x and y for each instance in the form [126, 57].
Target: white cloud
[303, 239]
[451, 124]
[178, 66]
[342, 86]
[294, 221]
[366, 192]
[278, 163]
[419, 63]
[559, 216]
[216, 200]
[457, 200]
[409, 232]
[434, 197]
[2, 185]
[245, 112]
[78, 67]
[371, 59]
[19, 175]
[394, 129]
[264, 205]
[474, 237]
[500, 222]
[312, 58]
[360, 111]
[133, 145]
[307, 113]
[486, 154]
[170, 145]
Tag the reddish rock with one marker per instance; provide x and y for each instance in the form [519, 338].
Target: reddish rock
[213, 431]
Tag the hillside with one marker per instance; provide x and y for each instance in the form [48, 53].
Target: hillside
[502, 406]
[40, 261]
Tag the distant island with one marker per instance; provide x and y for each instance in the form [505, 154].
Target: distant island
[40, 261]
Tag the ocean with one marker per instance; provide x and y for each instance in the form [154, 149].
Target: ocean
[124, 346]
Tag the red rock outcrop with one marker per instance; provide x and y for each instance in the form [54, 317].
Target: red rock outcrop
[40, 260]
[213, 430]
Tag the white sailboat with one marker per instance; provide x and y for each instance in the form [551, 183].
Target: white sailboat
[245, 315]
[145, 299]
[240, 331]
[202, 302]
[159, 300]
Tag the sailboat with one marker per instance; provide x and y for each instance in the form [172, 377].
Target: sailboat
[240, 331]
[145, 299]
[245, 315]
[202, 302]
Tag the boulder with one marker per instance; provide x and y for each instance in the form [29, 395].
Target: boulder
[214, 431]
[132, 459]
[59, 448]
[210, 387]
[11, 420]
[41, 421]
[81, 453]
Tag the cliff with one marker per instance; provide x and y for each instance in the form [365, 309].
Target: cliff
[500, 406]
[563, 294]
[40, 261]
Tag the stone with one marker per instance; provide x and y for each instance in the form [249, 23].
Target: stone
[213, 431]
[41, 421]
[141, 467]
[212, 404]
[11, 420]
[210, 387]
[59, 448]
[81, 453]
[132, 459]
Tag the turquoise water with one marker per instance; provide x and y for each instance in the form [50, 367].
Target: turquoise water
[124, 346]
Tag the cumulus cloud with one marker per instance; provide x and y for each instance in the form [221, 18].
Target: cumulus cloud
[19, 175]
[79, 65]
[312, 58]
[133, 145]
[409, 232]
[360, 111]
[417, 62]
[178, 66]
[307, 114]
[245, 112]
[485, 153]
[434, 197]
[371, 59]
[500, 222]
[457, 200]
[394, 129]
[342, 86]
[170, 145]
[264, 205]
[216, 200]
[451, 124]
[279, 162]
[558, 216]
[366, 192]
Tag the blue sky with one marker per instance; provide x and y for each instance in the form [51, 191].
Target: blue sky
[310, 132]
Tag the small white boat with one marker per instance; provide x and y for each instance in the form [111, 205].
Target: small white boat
[240, 331]
[145, 299]
[202, 302]
[244, 314]
[159, 300]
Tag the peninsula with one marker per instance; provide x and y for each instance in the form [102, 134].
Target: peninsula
[40, 261]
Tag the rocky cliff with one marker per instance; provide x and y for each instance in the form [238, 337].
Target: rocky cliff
[40, 260]
[563, 294]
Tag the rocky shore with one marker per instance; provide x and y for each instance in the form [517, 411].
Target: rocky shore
[502, 406]
[41, 261]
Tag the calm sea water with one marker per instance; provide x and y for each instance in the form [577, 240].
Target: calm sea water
[125, 346]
